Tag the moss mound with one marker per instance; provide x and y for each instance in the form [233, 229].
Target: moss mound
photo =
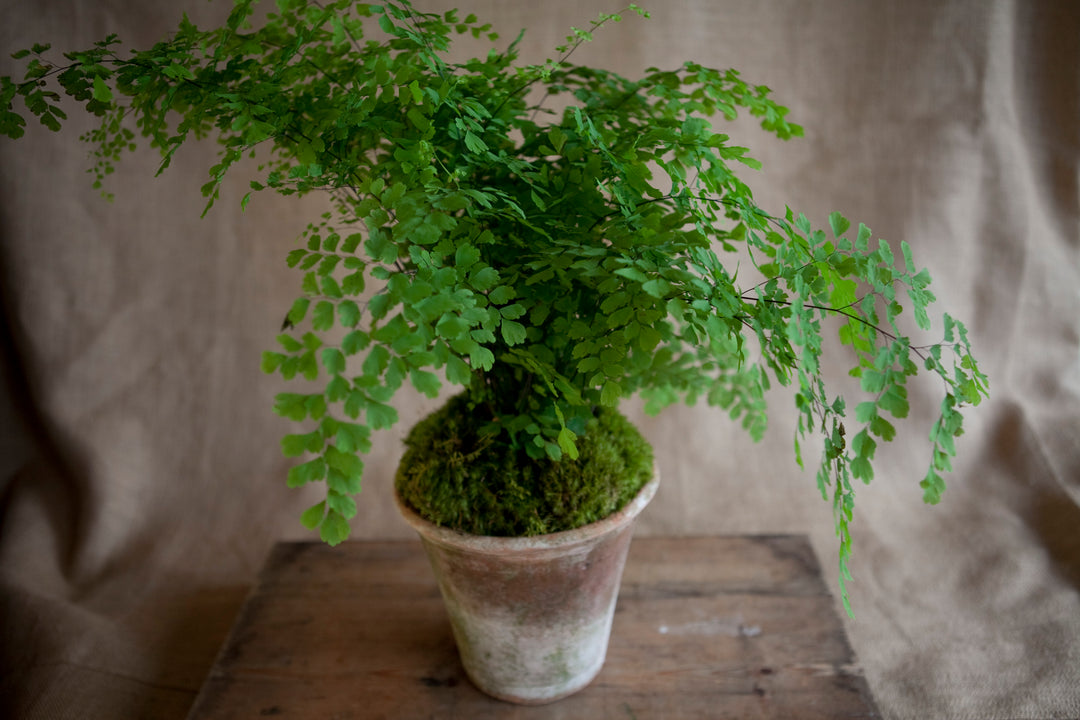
[453, 476]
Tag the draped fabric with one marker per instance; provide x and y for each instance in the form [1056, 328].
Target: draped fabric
[141, 482]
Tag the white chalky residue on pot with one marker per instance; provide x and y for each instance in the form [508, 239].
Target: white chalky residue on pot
[529, 663]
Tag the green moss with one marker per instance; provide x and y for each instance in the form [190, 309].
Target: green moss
[455, 477]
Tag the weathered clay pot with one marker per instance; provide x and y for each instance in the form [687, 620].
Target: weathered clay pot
[532, 615]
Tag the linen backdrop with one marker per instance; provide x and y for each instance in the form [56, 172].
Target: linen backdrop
[141, 480]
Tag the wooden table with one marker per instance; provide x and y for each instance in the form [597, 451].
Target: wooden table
[705, 627]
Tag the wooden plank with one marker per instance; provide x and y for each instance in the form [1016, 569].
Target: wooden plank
[718, 627]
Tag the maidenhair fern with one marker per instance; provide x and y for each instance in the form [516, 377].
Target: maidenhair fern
[549, 262]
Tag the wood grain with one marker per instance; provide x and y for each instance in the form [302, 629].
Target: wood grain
[705, 627]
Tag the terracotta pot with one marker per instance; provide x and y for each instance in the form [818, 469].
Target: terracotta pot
[532, 615]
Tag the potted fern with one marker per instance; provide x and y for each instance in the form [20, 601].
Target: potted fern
[545, 263]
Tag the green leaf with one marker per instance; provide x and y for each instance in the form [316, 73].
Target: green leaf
[648, 338]
[861, 469]
[632, 274]
[557, 138]
[932, 486]
[862, 241]
[335, 528]
[512, 312]
[298, 311]
[863, 445]
[307, 366]
[342, 504]
[355, 403]
[337, 389]
[296, 445]
[417, 93]
[102, 93]
[502, 295]
[481, 357]
[271, 361]
[316, 406]
[769, 270]
[882, 428]
[873, 381]
[436, 306]
[351, 243]
[485, 278]
[323, 317]
[513, 332]
[866, 411]
[330, 288]
[354, 342]
[313, 516]
[426, 382]
[348, 313]
[346, 463]
[909, 260]
[380, 416]
[381, 248]
[885, 252]
[843, 294]
[311, 471]
[457, 371]
[838, 223]
[474, 143]
[352, 438]
[289, 343]
[466, 256]
[657, 287]
[333, 360]
[376, 361]
[353, 283]
[379, 305]
[567, 444]
[451, 326]
[610, 393]
[895, 401]
[803, 224]
[290, 405]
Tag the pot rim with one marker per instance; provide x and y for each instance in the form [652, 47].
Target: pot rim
[490, 544]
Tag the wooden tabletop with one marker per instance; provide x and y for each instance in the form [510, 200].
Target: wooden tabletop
[705, 627]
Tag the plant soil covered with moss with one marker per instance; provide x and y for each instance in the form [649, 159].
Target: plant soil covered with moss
[455, 475]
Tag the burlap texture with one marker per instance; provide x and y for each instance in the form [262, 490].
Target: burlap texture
[141, 479]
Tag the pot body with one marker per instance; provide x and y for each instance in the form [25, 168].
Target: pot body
[532, 615]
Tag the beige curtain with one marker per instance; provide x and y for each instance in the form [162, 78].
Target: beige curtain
[141, 480]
